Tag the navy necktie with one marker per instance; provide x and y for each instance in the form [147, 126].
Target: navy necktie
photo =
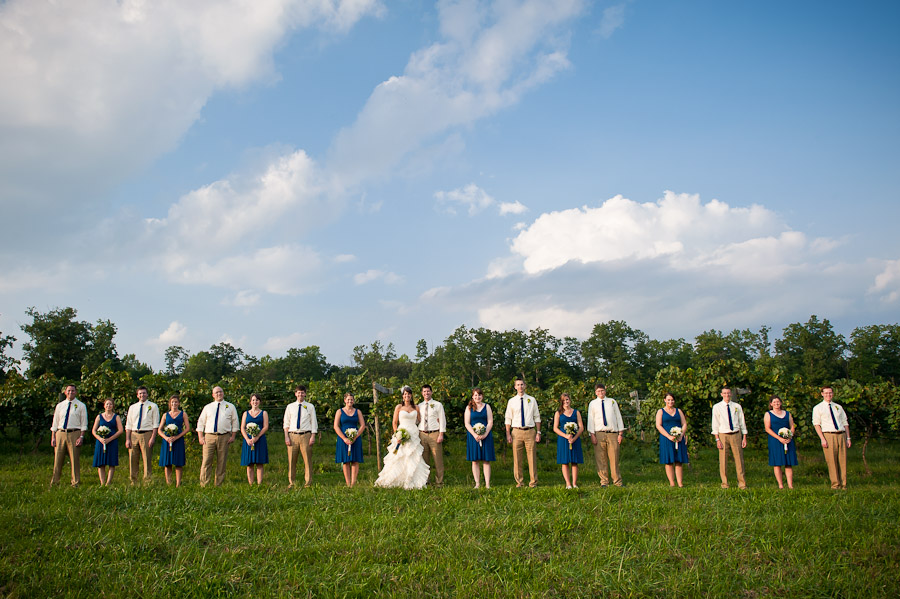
[299, 412]
[523, 411]
[730, 424]
[603, 409]
[216, 425]
[140, 415]
[66, 421]
[833, 419]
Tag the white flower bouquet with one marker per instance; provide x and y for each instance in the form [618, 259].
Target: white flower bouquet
[676, 432]
[351, 434]
[399, 438]
[479, 429]
[171, 430]
[571, 428]
[103, 432]
[253, 431]
[785, 433]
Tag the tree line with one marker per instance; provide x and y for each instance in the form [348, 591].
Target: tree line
[637, 370]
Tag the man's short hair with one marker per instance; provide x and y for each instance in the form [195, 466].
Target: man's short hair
[70, 385]
[427, 386]
[723, 388]
[828, 387]
[143, 388]
[299, 388]
[599, 386]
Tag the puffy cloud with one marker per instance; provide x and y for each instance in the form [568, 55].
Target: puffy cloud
[375, 275]
[471, 197]
[512, 208]
[613, 18]
[887, 282]
[280, 344]
[173, 335]
[243, 299]
[95, 89]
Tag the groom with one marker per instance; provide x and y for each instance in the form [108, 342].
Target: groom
[432, 427]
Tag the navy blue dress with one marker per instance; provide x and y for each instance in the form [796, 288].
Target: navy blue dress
[474, 451]
[260, 453]
[777, 457]
[356, 453]
[111, 456]
[667, 452]
[175, 456]
[564, 455]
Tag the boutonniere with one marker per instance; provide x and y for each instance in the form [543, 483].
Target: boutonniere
[75, 405]
[148, 409]
[528, 400]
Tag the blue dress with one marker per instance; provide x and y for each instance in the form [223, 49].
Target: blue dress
[340, 453]
[260, 453]
[564, 455]
[474, 451]
[777, 457]
[175, 456]
[111, 456]
[667, 452]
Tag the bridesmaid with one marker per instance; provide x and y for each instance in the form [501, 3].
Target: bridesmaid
[106, 451]
[349, 455]
[568, 446]
[479, 448]
[255, 450]
[171, 453]
[779, 458]
[666, 418]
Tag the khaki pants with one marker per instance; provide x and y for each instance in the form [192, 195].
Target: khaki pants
[215, 447]
[606, 456]
[524, 440]
[140, 443]
[65, 443]
[299, 447]
[434, 451]
[836, 458]
[732, 442]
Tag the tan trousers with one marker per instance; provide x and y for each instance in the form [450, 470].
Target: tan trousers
[65, 443]
[606, 456]
[524, 441]
[836, 458]
[140, 444]
[215, 447]
[732, 442]
[299, 447]
[434, 452]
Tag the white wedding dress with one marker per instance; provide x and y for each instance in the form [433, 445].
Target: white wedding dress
[406, 468]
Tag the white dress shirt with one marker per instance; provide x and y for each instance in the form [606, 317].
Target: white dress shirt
[432, 416]
[821, 417]
[228, 418]
[308, 421]
[514, 411]
[147, 412]
[614, 421]
[720, 418]
[77, 416]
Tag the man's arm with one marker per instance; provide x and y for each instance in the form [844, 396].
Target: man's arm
[314, 423]
[442, 422]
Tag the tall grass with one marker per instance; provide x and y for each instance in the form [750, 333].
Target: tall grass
[329, 541]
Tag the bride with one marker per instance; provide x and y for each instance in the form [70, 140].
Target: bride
[404, 465]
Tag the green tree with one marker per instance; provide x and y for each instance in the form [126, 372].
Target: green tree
[222, 360]
[61, 345]
[6, 362]
[176, 359]
[875, 353]
[813, 350]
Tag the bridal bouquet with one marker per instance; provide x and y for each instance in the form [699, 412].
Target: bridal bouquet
[253, 431]
[676, 432]
[171, 430]
[571, 428]
[103, 432]
[479, 430]
[399, 438]
[785, 433]
[350, 433]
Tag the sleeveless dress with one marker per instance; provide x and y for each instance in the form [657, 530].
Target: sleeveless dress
[174, 456]
[111, 456]
[564, 455]
[406, 468]
[485, 451]
[777, 457]
[667, 452]
[260, 453]
[340, 452]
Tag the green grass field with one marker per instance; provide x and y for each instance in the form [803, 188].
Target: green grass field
[642, 540]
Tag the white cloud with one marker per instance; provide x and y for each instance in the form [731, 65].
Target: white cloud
[471, 197]
[95, 89]
[561, 321]
[887, 282]
[375, 275]
[280, 344]
[173, 335]
[512, 208]
[613, 18]
[244, 299]
[344, 258]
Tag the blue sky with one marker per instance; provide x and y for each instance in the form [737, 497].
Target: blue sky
[287, 173]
